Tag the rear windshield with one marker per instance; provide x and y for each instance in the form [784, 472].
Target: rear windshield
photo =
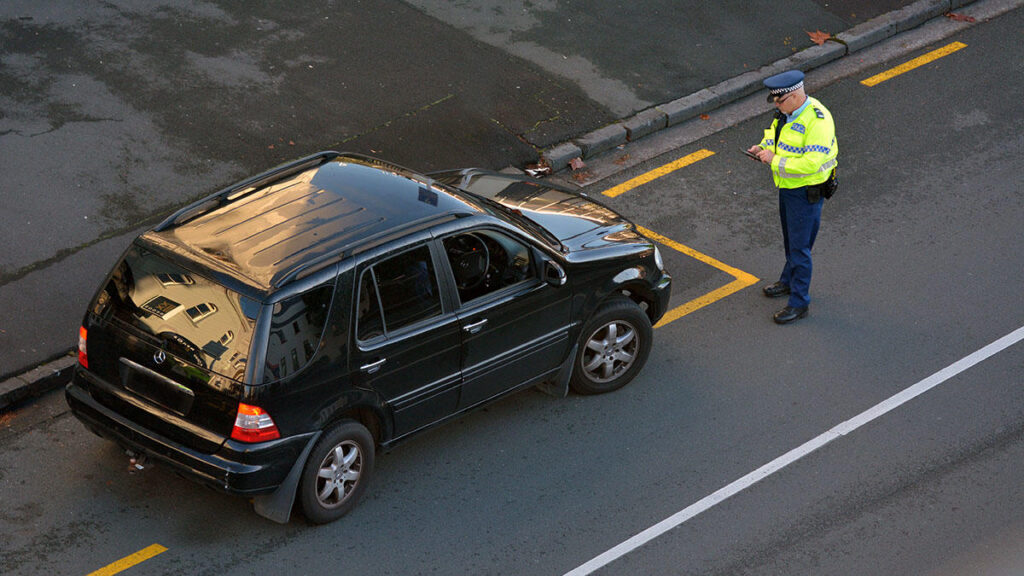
[196, 319]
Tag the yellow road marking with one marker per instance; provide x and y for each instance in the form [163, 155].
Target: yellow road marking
[742, 279]
[129, 561]
[658, 173]
[908, 66]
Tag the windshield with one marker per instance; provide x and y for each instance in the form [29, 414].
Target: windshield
[189, 316]
[521, 201]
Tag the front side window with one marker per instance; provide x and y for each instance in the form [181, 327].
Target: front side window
[397, 292]
[485, 261]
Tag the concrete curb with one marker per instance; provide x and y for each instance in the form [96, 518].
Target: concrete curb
[37, 381]
[668, 114]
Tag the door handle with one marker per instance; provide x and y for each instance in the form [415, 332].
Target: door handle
[373, 366]
[475, 326]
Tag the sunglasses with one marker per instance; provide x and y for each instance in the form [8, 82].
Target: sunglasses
[781, 99]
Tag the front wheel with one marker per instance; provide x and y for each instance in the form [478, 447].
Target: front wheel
[337, 472]
[614, 346]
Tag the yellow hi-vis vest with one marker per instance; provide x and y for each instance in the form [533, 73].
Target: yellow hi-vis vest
[807, 149]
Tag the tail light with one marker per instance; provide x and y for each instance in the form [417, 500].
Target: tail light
[83, 356]
[253, 424]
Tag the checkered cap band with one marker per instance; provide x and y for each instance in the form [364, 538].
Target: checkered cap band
[787, 90]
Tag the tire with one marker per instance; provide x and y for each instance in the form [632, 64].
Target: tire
[613, 347]
[337, 472]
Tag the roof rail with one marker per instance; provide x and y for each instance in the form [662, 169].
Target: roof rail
[373, 161]
[244, 188]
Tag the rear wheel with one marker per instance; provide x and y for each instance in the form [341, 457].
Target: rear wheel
[614, 346]
[336, 473]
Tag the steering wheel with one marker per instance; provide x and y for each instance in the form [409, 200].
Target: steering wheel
[470, 259]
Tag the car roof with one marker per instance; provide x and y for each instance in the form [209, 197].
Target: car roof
[300, 217]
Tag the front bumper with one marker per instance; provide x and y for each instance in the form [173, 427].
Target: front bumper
[236, 468]
[662, 294]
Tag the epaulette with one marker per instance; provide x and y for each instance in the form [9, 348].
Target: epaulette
[818, 113]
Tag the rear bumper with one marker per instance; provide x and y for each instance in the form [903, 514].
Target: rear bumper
[236, 468]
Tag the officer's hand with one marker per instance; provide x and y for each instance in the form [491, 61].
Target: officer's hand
[765, 155]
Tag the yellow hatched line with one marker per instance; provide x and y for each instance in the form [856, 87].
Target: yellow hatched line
[658, 173]
[129, 561]
[742, 279]
[916, 62]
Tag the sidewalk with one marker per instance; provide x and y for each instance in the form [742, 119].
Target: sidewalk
[48, 364]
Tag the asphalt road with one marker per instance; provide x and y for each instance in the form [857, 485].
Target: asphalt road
[917, 267]
[112, 114]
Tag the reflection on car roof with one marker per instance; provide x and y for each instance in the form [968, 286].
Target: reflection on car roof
[269, 233]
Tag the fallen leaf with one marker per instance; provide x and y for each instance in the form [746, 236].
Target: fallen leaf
[819, 37]
[576, 163]
[959, 17]
[622, 159]
[580, 176]
[705, 117]
[271, 147]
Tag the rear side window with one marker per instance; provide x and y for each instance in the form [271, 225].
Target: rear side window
[296, 329]
[192, 317]
[397, 292]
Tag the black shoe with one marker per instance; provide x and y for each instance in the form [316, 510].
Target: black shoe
[789, 314]
[777, 289]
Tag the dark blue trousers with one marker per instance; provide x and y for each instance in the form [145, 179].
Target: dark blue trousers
[800, 221]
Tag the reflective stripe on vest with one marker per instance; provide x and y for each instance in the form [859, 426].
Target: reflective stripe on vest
[814, 125]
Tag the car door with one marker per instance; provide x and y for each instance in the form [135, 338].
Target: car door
[515, 327]
[407, 347]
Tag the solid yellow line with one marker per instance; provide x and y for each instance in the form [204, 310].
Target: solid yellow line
[129, 561]
[709, 298]
[736, 272]
[658, 173]
[742, 279]
[916, 62]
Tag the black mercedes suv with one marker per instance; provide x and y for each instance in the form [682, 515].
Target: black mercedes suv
[268, 339]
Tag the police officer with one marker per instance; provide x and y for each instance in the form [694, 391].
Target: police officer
[800, 146]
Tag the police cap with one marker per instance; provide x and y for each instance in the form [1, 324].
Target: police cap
[784, 83]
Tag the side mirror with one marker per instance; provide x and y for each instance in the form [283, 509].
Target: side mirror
[554, 274]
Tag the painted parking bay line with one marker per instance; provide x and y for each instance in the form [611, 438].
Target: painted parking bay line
[742, 279]
[658, 173]
[915, 63]
[129, 561]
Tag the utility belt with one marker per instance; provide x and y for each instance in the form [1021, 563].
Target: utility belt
[824, 190]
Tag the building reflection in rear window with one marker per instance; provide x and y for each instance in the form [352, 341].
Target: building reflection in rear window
[197, 320]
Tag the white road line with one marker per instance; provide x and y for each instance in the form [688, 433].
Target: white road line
[792, 456]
